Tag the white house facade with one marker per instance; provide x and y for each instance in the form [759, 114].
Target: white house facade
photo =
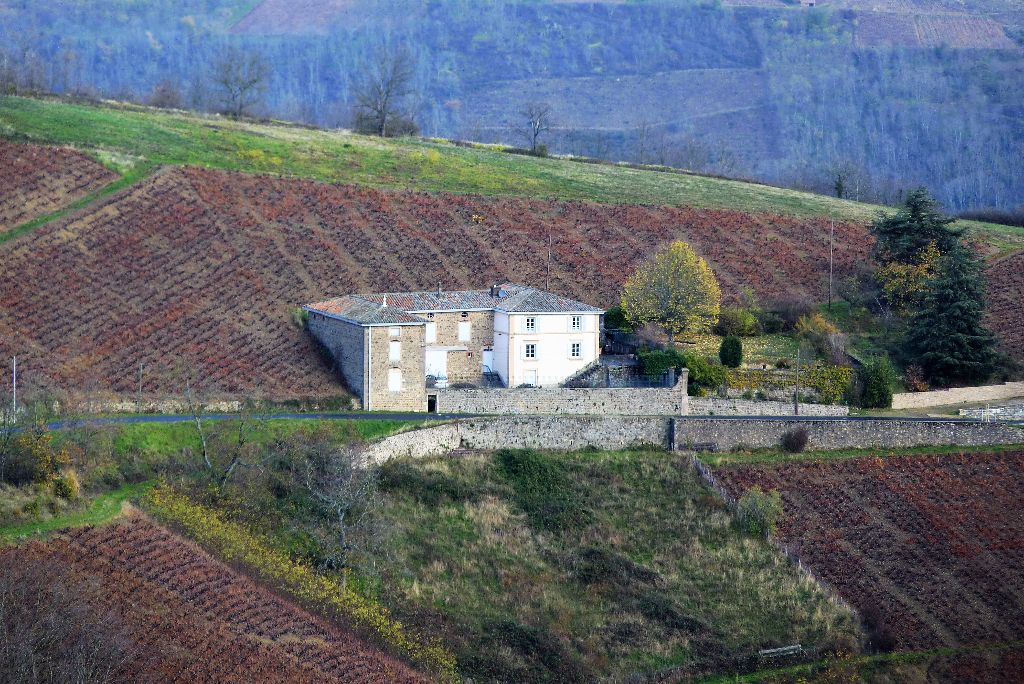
[394, 348]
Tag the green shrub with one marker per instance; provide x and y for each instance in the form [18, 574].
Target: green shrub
[32, 457]
[704, 375]
[428, 487]
[875, 379]
[771, 322]
[794, 441]
[730, 353]
[734, 321]
[656, 361]
[615, 319]
[543, 489]
[759, 512]
[66, 485]
[595, 565]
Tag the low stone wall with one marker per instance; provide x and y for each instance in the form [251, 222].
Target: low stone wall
[567, 433]
[560, 433]
[734, 434]
[708, 406]
[659, 401]
[959, 395]
[1013, 412]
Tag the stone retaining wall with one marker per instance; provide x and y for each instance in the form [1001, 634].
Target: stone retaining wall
[729, 435]
[659, 401]
[561, 433]
[959, 395]
[567, 433]
[708, 406]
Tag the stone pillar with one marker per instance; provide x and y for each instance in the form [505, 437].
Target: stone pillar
[684, 396]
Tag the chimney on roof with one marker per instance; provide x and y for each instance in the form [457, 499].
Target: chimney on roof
[495, 291]
[385, 300]
[439, 289]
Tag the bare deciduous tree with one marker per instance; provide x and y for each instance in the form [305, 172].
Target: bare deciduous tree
[386, 83]
[50, 627]
[241, 78]
[537, 118]
[340, 481]
[165, 95]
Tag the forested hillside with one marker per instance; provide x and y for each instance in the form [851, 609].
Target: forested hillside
[885, 95]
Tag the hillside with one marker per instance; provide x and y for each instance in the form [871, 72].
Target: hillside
[891, 94]
[199, 271]
[927, 546]
[202, 269]
[182, 615]
[37, 181]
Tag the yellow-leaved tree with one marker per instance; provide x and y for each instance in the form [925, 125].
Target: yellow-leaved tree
[675, 289]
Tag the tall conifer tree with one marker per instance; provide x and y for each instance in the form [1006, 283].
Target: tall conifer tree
[946, 336]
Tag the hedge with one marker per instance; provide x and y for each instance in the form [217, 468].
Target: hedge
[828, 382]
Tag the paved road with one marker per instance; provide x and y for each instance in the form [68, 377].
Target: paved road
[422, 417]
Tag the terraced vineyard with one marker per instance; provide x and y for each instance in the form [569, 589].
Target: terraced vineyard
[35, 181]
[193, 619]
[930, 549]
[201, 270]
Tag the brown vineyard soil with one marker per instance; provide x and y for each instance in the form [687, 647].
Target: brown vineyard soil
[35, 181]
[930, 549]
[190, 618]
[1005, 305]
[202, 270]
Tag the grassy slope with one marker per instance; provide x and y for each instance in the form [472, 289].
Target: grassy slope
[653, 577]
[103, 455]
[101, 509]
[175, 138]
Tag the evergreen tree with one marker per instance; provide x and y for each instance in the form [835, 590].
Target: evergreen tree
[876, 379]
[730, 353]
[918, 224]
[946, 336]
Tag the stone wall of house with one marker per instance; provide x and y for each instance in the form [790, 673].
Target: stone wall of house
[464, 366]
[732, 434]
[346, 343]
[959, 395]
[722, 434]
[660, 401]
[413, 396]
[709, 406]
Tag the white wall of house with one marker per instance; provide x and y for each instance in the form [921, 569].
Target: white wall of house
[501, 365]
[545, 348]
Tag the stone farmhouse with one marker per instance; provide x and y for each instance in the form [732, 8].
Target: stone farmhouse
[394, 348]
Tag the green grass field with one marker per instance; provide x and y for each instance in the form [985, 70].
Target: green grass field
[101, 509]
[163, 137]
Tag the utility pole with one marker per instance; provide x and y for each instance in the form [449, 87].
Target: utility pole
[796, 390]
[138, 397]
[547, 278]
[14, 386]
[831, 257]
